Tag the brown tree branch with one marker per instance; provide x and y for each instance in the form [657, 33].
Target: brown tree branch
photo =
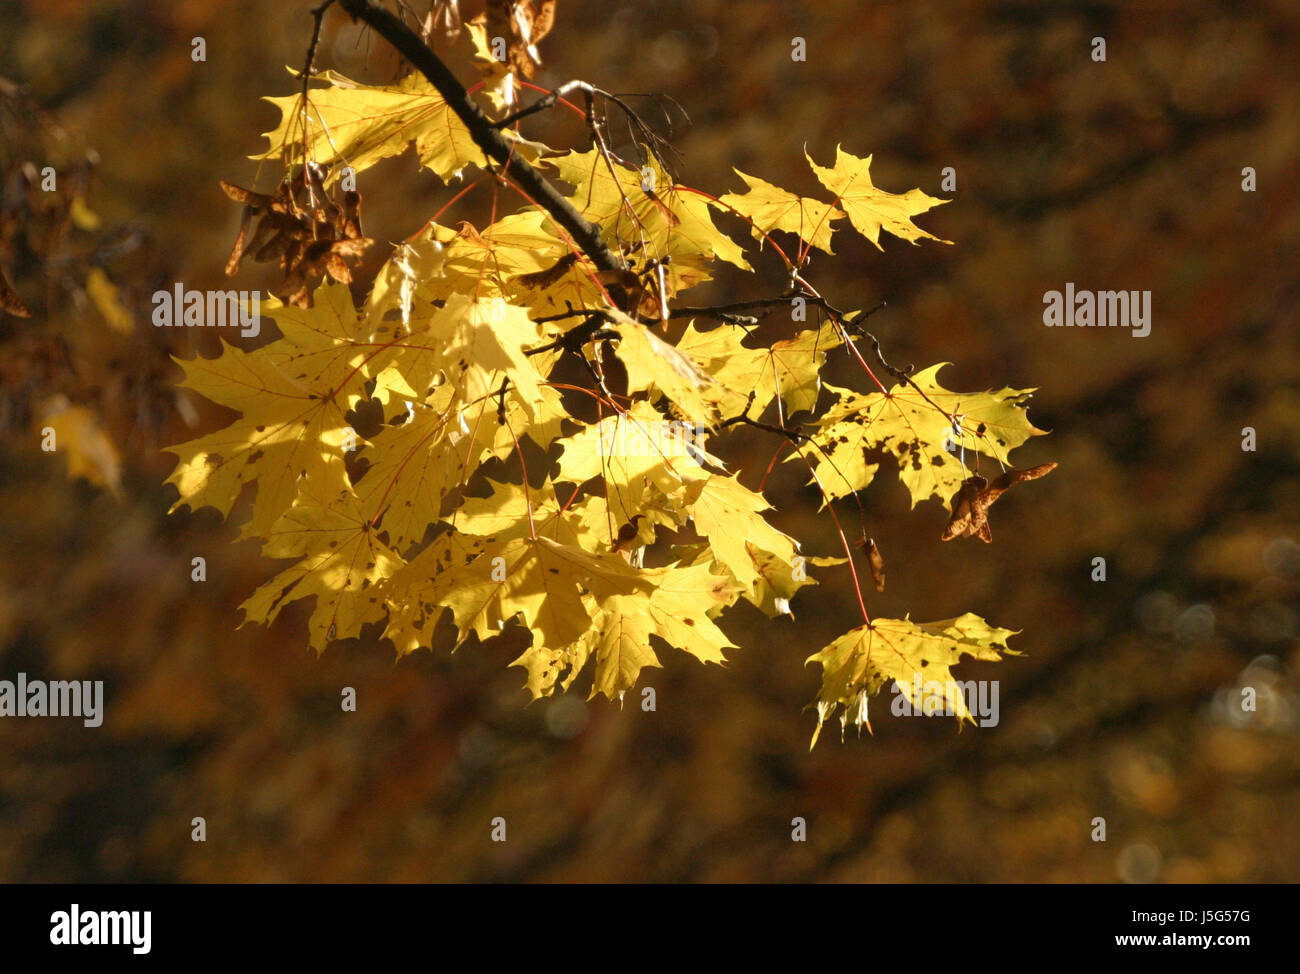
[493, 144]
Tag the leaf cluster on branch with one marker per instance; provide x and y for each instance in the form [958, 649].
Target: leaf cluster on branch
[489, 490]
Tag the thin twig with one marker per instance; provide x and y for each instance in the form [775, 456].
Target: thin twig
[577, 336]
[543, 103]
[794, 436]
[319, 14]
[721, 310]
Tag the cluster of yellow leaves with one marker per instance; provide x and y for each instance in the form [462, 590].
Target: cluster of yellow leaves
[412, 528]
[480, 498]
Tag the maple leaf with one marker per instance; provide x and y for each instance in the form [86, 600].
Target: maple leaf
[506, 512]
[518, 258]
[471, 346]
[415, 592]
[789, 367]
[413, 467]
[340, 560]
[772, 208]
[622, 647]
[356, 125]
[511, 511]
[680, 608]
[293, 395]
[548, 667]
[292, 433]
[633, 452]
[327, 348]
[869, 209]
[541, 581]
[912, 422]
[778, 580]
[653, 363]
[486, 341]
[514, 247]
[677, 610]
[646, 210]
[728, 514]
[413, 266]
[858, 664]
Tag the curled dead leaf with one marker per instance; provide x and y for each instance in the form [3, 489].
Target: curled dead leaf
[875, 560]
[522, 24]
[972, 501]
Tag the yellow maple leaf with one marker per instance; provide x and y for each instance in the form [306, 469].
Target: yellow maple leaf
[293, 395]
[414, 466]
[415, 593]
[643, 208]
[788, 367]
[357, 125]
[340, 561]
[541, 581]
[773, 208]
[870, 209]
[906, 424]
[728, 514]
[622, 647]
[859, 663]
[632, 452]
[653, 363]
[681, 607]
[676, 610]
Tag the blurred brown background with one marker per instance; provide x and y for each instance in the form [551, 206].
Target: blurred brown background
[1123, 174]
